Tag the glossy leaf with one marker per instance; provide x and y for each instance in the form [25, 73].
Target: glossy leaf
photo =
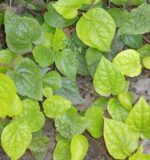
[53, 80]
[98, 34]
[139, 118]
[69, 125]
[140, 157]
[55, 105]
[43, 55]
[31, 115]
[94, 117]
[79, 147]
[116, 110]
[27, 78]
[15, 139]
[108, 79]
[68, 8]
[128, 62]
[21, 32]
[119, 139]
[66, 63]
[146, 62]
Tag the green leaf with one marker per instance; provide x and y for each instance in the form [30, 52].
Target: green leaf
[6, 58]
[59, 40]
[39, 145]
[93, 57]
[128, 2]
[138, 21]
[22, 33]
[27, 78]
[70, 91]
[66, 63]
[3, 124]
[31, 115]
[108, 79]
[53, 80]
[128, 62]
[54, 19]
[8, 97]
[62, 148]
[138, 156]
[116, 110]
[16, 138]
[139, 118]
[125, 99]
[146, 62]
[47, 92]
[43, 55]
[133, 41]
[94, 117]
[93, 30]
[79, 147]
[68, 8]
[144, 51]
[69, 125]
[119, 139]
[55, 105]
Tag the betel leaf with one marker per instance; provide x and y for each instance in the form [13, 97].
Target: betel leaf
[55, 105]
[139, 156]
[66, 63]
[138, 21]
[52, 79]
[62, 148]
[31, 115]
[27, 78]
[79, 147]
[144, 51]
[68, 8]
[128, 62]
[43, 55]
[54, 19]
[39, 145]
[146, 62]
[70, 91]
[21, 32]
[108, 79]
[116, 110]
[93, 57]
[16, 138]
[119, 139]
[9, 102]
[70, 124]
[100, 29]
[94, 117]
[139, 118]
[59, 40]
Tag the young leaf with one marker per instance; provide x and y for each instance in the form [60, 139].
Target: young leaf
[98, 34]
[138, 156]
[31, 115]
[146, 62]
[128, 62]
[119, 139]
[69, 125]
[53, 80]
[43, 55]
[55, 105]
[138, 21]
[21, 32]
[16, 138]
[59, 40]
[66, 63]
[94, 117]
[79, 147]
[116, 110]
[68, 8]
[108, 79]
[139, 118]
[62, 148]
[27, 78]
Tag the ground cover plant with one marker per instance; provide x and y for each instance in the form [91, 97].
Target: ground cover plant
[45, 47]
